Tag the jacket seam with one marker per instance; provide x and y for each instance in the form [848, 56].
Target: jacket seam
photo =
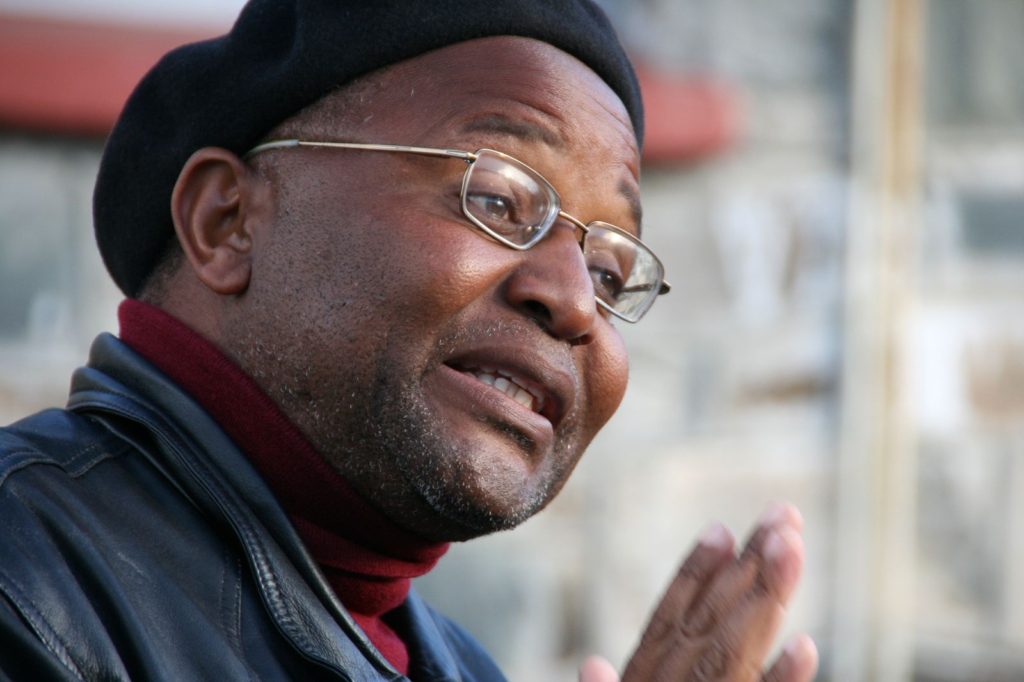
[13, 461]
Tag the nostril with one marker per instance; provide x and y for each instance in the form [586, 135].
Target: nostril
[539, 312]
[542, 315]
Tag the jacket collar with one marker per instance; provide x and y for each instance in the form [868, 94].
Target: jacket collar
[182, 440]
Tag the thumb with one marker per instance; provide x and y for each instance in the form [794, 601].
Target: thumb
[597, 669]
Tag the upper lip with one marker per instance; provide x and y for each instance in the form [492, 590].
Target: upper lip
[556, 382]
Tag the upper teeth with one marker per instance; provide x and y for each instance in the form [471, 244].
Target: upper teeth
[509, 387]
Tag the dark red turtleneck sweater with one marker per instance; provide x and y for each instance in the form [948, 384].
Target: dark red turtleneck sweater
[368, 561]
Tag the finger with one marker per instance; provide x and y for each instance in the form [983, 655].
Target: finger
[597, 669]
[776, 515]
[798, 662]
[712, 553]
[737, 647]
[782, 514]
[734, 613]
[783, 563]
[770, 564]
[741, 637]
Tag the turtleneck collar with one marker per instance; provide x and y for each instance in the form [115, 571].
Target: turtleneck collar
[368, 561]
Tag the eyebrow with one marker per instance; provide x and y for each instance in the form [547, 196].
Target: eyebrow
[524, 130]
[636, 210]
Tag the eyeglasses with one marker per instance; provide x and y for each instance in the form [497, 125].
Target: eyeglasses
[514, 205]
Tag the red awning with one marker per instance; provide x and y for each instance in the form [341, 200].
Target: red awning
[73, 78]
[686, 118]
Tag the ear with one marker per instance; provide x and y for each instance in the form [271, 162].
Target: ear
[213, 206]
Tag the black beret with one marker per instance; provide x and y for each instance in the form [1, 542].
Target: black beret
[280, 56]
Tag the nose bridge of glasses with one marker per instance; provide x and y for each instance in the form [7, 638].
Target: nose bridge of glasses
[578, 225]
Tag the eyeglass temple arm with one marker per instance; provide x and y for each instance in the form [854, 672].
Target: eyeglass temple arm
[426, 151]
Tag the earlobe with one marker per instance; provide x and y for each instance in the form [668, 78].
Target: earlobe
[213, 208]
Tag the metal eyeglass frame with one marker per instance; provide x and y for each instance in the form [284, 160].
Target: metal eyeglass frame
[469, 157]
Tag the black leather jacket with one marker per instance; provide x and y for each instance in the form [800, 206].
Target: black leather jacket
[137, 542]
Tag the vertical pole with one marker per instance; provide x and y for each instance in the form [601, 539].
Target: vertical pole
[1013, 613]
[901, 183]
[877, 472]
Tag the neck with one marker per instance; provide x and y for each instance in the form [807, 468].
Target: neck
[368, 560]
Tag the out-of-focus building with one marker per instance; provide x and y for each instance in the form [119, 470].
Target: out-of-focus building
[837, 190]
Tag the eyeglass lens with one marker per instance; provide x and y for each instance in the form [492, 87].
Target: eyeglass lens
[509, 199]
[515, 205]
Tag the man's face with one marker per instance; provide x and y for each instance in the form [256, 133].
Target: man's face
[378, 317]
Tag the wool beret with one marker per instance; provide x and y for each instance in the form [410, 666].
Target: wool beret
[279, 57]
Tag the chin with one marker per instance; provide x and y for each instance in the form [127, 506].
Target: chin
[467, 500]
[451, 473]
[466, 520]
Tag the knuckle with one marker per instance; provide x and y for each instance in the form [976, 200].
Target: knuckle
[700, 619]
[696, 624]
[713, 663]
[658, 631]
[724, 659]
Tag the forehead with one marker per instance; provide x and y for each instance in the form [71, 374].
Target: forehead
[519, 88]
[517, 95]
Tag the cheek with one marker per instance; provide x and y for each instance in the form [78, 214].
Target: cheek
[607, 372]
[441, 267]
[408, 253]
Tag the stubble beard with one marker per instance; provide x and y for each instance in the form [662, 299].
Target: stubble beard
[406, 433]
[381, 435]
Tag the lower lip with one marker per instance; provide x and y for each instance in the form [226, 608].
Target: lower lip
[470, 395]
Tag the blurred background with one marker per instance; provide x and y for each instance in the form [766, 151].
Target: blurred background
[837, 190]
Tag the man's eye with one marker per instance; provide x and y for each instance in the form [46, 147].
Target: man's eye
[492, 207]
[607, 283]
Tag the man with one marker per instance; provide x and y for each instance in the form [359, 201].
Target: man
[362, 323]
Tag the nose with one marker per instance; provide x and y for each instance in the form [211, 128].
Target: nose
[551, 285]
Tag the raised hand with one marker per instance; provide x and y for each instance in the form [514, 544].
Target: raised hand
[721, 612]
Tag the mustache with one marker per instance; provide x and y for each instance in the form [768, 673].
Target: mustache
[529, 336]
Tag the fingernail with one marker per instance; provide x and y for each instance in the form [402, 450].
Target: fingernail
[779, 546]
[775, 514]
[781, 513]
[716, 536]
[802, 651]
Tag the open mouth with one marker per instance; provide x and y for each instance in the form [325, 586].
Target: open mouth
[521, 398]
[513, 387]
[531, 385]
